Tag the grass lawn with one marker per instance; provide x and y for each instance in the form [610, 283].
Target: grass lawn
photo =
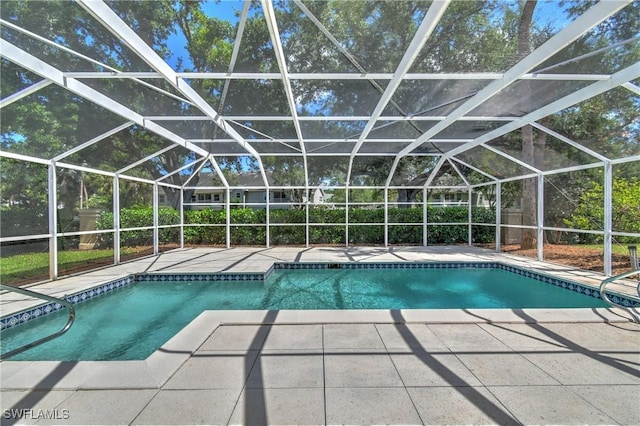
[25, 268]
[621, 249]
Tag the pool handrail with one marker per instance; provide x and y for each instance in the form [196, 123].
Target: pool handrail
[605, 296]
[67, 326]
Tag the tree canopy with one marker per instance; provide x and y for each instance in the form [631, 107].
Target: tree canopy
[316, 37]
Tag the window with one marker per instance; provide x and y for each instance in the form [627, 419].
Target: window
[204, 198]
[238, 195]
[161, 198]
[216, 197]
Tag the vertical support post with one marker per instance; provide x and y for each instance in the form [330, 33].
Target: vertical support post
[386, 216]
[498, 207]
[228, 216]
[181, 214]
[608, 216]
[540, 218]
[267, 221]
[53, 221]
[116, 219]
[156, 222]
[306, 226]
[469, 216]
[346, 216]
[424, 216]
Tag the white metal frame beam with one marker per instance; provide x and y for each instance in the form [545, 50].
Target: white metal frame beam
[145, 159]
[178, 170]
[93, 140]
[24, 92]
[569, 141]
[114, 72]
[576, 97]
[344, 51]
[324, 118]
[272, 25]
[573, 31]
[235, 51]
[35, 65]
[428, 25]
[327, 76]
[482, 172]
[424, 31]
[112, 22]
[630, 86]
[218, 170]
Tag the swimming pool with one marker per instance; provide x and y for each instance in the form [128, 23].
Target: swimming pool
[132, 321]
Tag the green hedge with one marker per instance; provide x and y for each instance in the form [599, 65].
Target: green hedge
[16, 220]
[366, 226]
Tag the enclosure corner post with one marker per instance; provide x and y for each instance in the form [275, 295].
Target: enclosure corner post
[424, 216]
[228, 216]
[469, 216]
[156, 231]
[307, 229]
[53, 219]
[608, 216]
[181, 213]
[540, 219]
[267, 233]
[116, 219]
[498, 207]
[386, 216]
[346, 215]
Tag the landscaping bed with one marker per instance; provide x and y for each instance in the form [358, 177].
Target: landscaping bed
[582, 257]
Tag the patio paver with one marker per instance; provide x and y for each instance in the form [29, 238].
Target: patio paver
[357, 367]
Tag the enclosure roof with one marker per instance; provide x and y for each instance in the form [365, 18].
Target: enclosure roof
[407, 90]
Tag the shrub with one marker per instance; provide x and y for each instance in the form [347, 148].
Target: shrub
[589, 214]
[17, 220]
[366, 226]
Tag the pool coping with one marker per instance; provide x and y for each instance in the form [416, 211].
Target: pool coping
[38, 310]
[161, 365]
[158, 368]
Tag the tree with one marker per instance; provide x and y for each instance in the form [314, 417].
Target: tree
[607, 124]
[473, 36]
[589, 213]
[54, 120]
[287, 171]
[529, 192]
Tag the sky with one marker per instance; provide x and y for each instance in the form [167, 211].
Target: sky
[228, 10]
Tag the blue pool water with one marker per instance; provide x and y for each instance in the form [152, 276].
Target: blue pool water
[132, 322]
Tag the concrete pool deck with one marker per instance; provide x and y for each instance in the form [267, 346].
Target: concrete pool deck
[573, 366]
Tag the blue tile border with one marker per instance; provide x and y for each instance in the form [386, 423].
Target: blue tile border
[41, 310]
[51, 307]
[566, 284]
[219, 276]
[387, 265]
[36, 312]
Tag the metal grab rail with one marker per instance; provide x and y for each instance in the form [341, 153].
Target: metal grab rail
[605, 296]
[72, 317]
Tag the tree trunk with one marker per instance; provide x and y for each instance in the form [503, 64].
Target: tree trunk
[529, 192]
[406, 198]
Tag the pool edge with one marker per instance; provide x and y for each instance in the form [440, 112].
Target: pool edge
[159, 367]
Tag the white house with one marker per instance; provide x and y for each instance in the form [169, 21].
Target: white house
[206, 196]
[453, 197]
[318, 196]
